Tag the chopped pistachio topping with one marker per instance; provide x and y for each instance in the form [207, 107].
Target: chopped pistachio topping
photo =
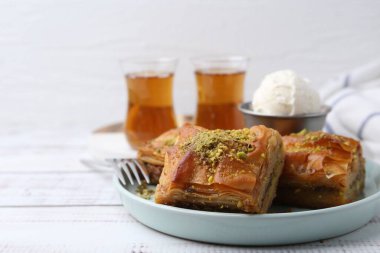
[302, 132]
[143, 191]
[241, 155]
[314, 138]
[212, 145]
[170, 142]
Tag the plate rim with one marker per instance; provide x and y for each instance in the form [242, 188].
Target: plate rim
[185, 211]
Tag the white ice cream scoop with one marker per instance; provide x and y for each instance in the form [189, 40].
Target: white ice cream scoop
[284, 93]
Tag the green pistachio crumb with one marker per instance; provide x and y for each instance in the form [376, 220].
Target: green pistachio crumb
[213, 145]
[170, 142]
[143, 191]
[241, 155]
[303, 132]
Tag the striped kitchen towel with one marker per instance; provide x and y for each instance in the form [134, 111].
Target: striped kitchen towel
[355, 100]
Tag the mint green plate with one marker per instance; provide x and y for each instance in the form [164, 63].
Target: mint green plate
[297, 226]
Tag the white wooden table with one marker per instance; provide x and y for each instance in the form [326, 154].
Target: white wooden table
[50, 202]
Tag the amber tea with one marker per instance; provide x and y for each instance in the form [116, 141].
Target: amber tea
[219, 93]
[150, 106]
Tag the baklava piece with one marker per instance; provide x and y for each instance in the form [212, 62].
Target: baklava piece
[222, 170]
[152, 155]
[321, 170]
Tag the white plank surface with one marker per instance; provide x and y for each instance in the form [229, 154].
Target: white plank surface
[44, 159]
[57, 189]
[111, 229]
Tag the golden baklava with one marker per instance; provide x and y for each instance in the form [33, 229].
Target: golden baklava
[222, 170]
[321, 170]
[152, 155]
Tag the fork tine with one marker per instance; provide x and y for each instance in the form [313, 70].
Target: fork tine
[132, 166]
[126, 170]
[142, 170]
[118, 172]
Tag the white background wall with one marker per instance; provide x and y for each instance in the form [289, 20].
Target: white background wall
[59, 58]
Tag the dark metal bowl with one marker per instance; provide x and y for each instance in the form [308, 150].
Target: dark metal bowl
[285, 124]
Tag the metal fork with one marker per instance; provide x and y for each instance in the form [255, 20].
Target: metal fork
[127, 165]
[122, 166]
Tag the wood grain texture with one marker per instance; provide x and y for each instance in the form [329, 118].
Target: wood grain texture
[111, 229]
[44, 159]
[57, 189]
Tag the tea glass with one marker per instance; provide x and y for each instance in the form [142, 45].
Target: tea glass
[220, 84]
[150, 102]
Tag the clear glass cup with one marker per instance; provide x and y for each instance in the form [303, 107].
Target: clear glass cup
[150, 100]
[220, 84]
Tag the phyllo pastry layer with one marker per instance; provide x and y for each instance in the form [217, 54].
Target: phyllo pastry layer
[321, 170]
[152, 155]
[222, 170]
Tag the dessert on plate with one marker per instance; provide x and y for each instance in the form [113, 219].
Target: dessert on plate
[152, 154]
[240, 170]
[222, 170]
[321, 170]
